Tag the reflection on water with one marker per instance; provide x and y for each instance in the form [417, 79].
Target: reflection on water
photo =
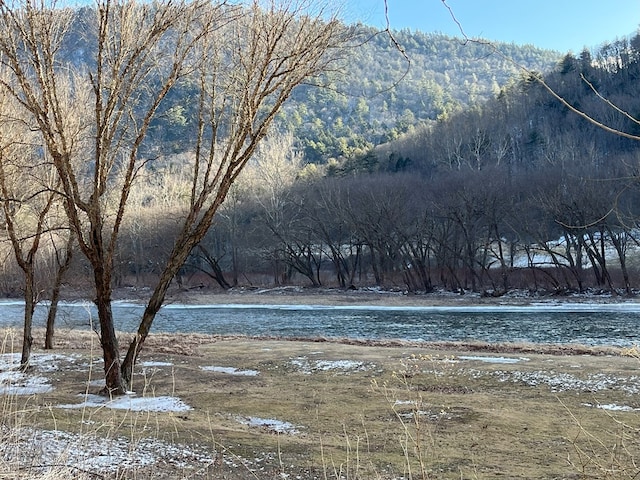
[585, 324]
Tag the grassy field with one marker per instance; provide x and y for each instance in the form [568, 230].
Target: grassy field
[242, 408]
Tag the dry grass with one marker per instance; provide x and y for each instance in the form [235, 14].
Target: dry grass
[345, 411]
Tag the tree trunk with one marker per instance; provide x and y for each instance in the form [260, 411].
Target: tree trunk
[55, 294]
[29, 306]
[108, 339]
[51, 318]
[178, 258]
[216, 272]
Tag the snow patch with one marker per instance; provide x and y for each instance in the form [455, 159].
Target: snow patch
[15, 382]
[151, 363]
[132, 403]
[39, 450]
[612, 407]
[231, 371]
[270, 424]
[494, 359]
[563, 382]
[41, 362]
[308, 367]
[18, 383]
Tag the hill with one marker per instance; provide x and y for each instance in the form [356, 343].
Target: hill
[526, 127]
[379, 93]
[383, 93]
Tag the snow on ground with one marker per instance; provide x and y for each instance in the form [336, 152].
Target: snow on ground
[270, 424]
[493, 359]
[15, 382]
[612, 407]
[132, 403]
[41, 362]
[563, 382]
[41, 449]
[306, 366]
[231, 371]
[152, 363]
[18, 383]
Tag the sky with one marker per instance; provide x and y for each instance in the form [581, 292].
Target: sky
[562, 25]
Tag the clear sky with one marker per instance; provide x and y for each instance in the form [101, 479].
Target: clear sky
[561, 25]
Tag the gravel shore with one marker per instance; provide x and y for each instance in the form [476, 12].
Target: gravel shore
[365, 296]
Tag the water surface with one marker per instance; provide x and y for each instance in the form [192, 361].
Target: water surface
[589, 324]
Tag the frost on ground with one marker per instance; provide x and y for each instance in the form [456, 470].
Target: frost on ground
[15, 382]
[563, 382]
[132, 403]
[40, 449]
[306, 366]
[231, 371]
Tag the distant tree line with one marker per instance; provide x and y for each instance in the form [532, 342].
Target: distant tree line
[517, 192]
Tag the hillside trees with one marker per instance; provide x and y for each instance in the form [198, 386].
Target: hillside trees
[531, 129]
[445, 76]
[242, 63]
[510, 193]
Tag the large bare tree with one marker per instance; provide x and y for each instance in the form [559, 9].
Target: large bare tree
[251, 67]
[133, 46]
[244, 62]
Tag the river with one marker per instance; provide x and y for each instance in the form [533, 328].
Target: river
[588, 324]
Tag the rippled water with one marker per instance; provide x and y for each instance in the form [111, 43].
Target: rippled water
[589, 324]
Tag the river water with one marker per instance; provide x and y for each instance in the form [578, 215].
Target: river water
[588, 324]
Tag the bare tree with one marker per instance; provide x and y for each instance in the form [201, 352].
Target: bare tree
[271, 175]
[28, 192]
[62, 256]
[252, 66]
[30, 201]
[134, 46]
[244, 61]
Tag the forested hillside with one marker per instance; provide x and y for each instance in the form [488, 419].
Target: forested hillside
[525, 127]
[382, 93]
[378, 93]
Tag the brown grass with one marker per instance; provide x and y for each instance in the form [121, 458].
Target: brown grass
[406, 410]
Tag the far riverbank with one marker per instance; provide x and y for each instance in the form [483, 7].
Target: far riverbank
[293, 295]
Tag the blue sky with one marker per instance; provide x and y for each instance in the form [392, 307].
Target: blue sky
[561, 25]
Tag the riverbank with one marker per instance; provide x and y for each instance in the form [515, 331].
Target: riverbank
[242, 408]
[294, 295]
[214, 406]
